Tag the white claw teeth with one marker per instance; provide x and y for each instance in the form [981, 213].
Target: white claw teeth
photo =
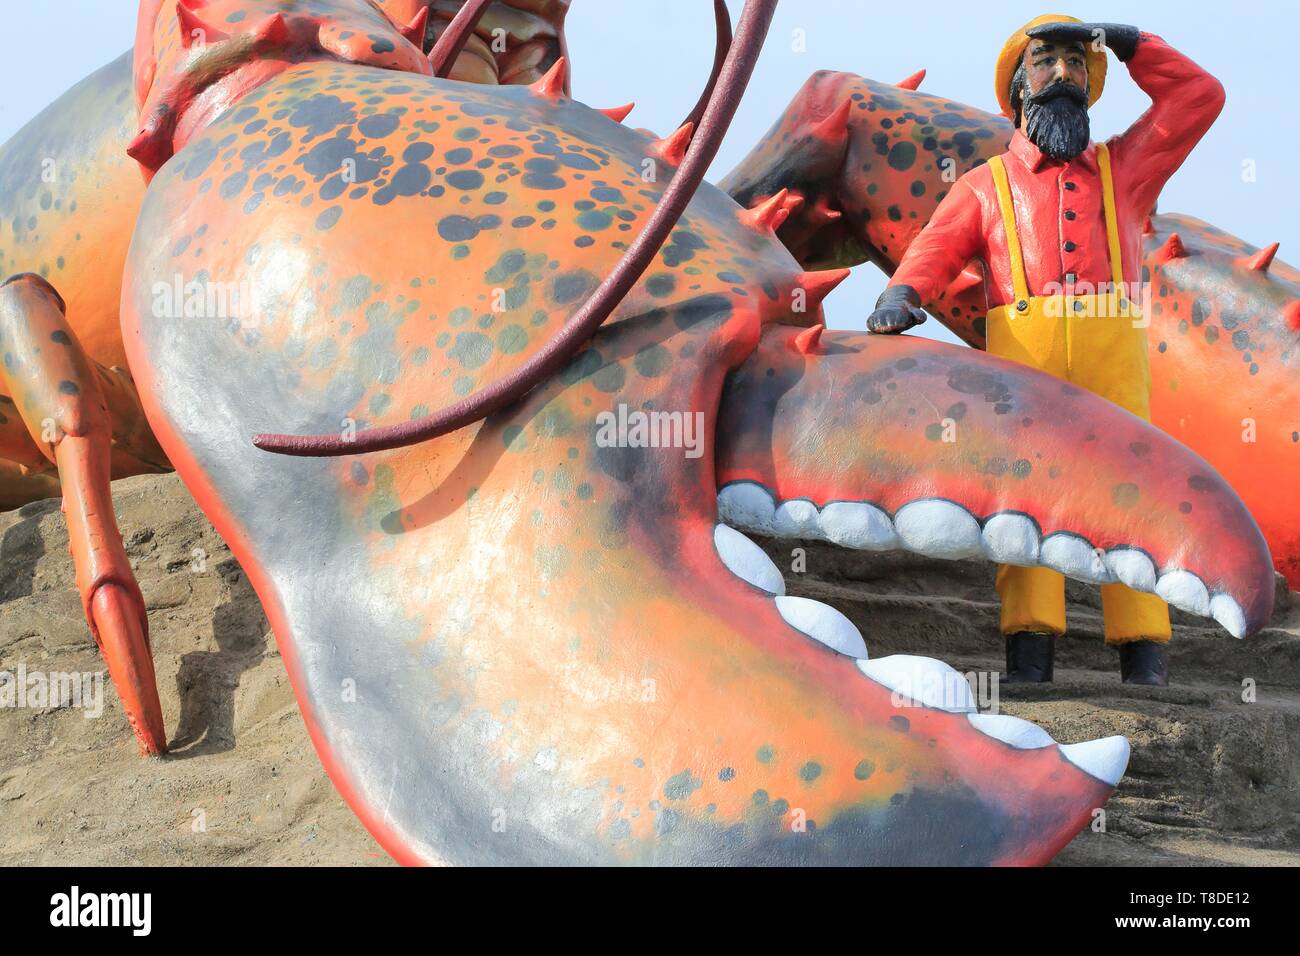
[822, 623]
[747, 504]
[852, 524]
[796, 519]
[1075, 558]
[746, 560]
[939, 529]
[1185, 591]
[1228, 613]
[1132, 567]
[1011, 538]
[923, 679]
[1106, 758]
[1012, 731]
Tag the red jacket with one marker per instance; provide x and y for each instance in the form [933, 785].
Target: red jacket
[1058, 204]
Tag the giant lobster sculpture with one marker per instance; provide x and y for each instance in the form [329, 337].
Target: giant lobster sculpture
[513, 637]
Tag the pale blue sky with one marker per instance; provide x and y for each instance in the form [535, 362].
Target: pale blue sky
[657, 52]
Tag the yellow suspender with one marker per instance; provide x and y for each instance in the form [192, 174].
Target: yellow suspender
[1013, 238]
[1112, 223]
[1018, 281]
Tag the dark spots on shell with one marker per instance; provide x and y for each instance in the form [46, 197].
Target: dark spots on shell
[594, 220]
[692, 315]
[321, 113]
[69, 388]
[381, 44]
[972, 380]
[507, 265]
[409, 180]
[466, 180]
[864, 769]
[458, 156]
[1185, 507]
[680, 786]
[568, 287]
[1140, 449]
[810, 771]
[327, 219]
[661, 285]
[1125, 495]
[651, 360]
[457, 228]
[541, 174]
[727, 774]
[900, 723]
[902, 155]
[504, 151]
[1200, 483]
[472, 350]
[60, 337]
[681, 248]
[233, 184]
[765, 754]
[584, 364]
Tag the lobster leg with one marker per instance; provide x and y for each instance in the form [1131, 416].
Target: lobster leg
[59, 395]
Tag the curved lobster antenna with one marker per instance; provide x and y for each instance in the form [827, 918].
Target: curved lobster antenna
[453, 39]
[755, 19]
[721, 46]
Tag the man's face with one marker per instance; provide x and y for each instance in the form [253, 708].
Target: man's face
[1050, 61]
[1054, 108]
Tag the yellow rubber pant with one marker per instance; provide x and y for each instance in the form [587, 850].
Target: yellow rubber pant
[1106, 354]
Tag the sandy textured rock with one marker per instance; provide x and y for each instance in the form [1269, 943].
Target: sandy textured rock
[1212, 779]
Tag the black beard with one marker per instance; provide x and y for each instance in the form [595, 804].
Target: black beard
[1056, 120]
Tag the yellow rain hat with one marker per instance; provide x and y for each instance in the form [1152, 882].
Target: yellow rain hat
[1013, 52]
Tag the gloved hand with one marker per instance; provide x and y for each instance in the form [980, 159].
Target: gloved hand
[1120, 37]
[897, 310]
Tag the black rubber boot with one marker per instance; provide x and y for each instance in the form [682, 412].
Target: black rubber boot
[1144, 662]
[1029, 658]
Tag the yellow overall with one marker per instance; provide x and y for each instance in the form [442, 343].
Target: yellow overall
[1097, 341]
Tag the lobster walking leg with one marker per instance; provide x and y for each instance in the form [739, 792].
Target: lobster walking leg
[59, 395]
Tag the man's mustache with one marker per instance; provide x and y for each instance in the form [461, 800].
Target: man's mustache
[1058, 89]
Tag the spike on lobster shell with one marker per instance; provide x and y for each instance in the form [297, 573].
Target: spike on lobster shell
[821, 213]
[809, 339]
[769, 214]
[1292, 315]
[1148, 227]
[912, 82]
[414, 31]
[147, 149]
[191, 23]
[618, 113]
[672, 149]
[818, 285]
[835, 127]
[1260, 261]
[1172, 249]
[552, 84]
[272, 31]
